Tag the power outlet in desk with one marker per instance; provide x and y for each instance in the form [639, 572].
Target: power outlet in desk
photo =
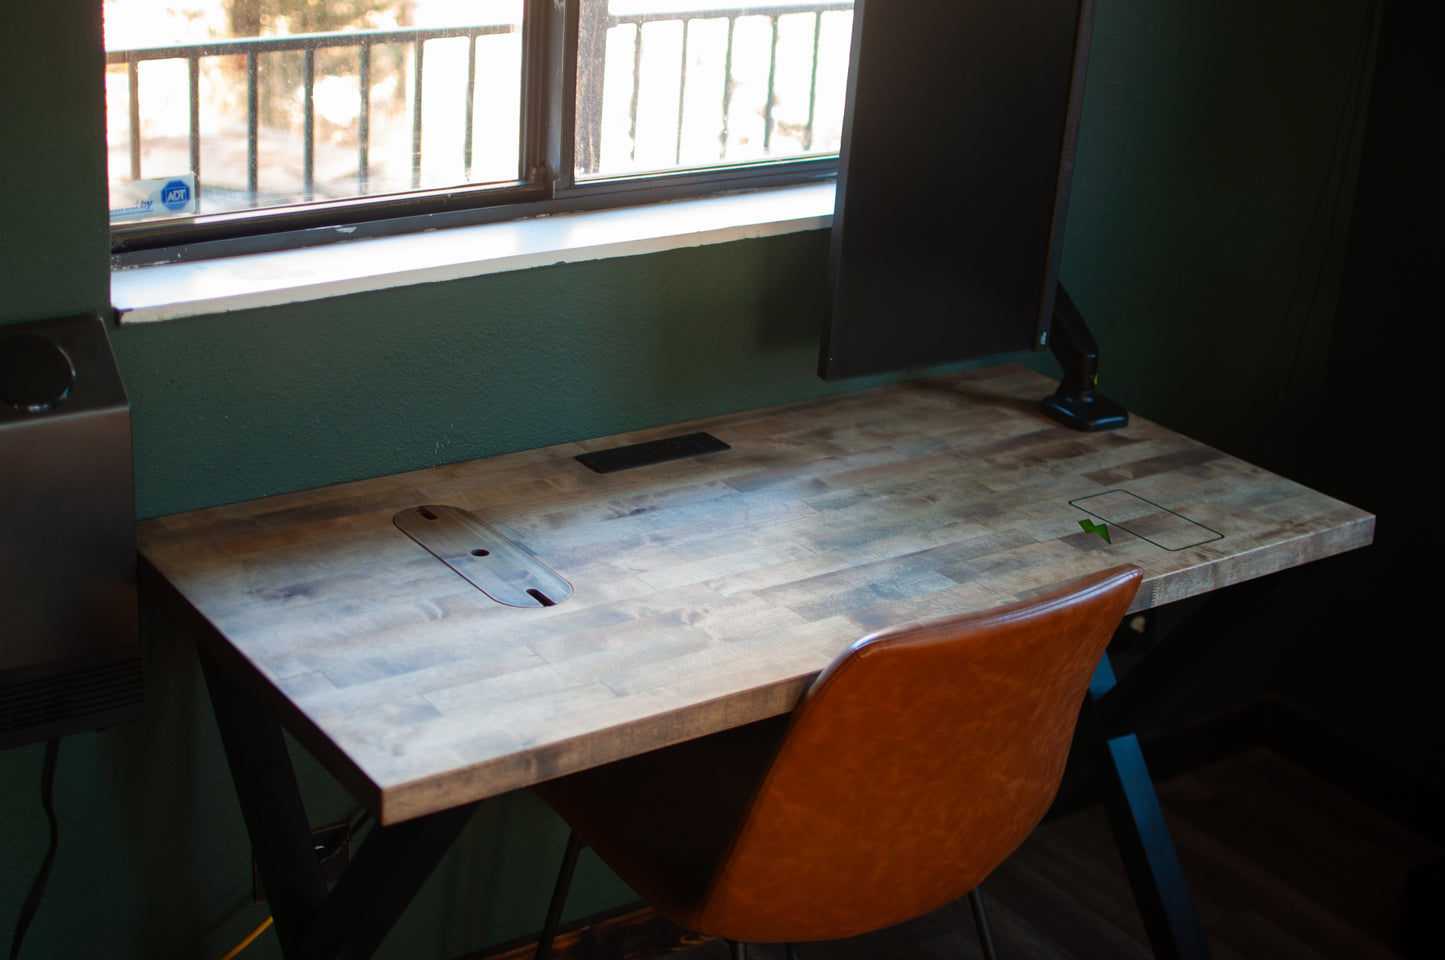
[333, 849]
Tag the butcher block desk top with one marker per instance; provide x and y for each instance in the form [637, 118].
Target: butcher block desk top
[709, 590]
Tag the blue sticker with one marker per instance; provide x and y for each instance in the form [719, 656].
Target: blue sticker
[176, 195]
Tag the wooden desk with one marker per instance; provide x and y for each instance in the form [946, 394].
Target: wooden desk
[709, 590]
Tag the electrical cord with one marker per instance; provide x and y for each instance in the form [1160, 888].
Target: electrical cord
[37, 890]
[352, 827]
[260, 928]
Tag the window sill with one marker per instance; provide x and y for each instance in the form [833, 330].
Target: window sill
[175, 290]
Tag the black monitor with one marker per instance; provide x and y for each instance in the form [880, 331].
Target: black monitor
[953, 180]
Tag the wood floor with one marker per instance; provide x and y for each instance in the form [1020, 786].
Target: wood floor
[1282, 866]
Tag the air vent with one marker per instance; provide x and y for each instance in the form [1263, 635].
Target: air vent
[70, 702]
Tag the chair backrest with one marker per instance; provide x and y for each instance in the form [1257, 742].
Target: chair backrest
[915, 764]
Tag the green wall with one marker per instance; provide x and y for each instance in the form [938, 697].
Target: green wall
[1205, 245]
[269, 400]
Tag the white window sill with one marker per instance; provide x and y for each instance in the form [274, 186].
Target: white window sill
[174, 290]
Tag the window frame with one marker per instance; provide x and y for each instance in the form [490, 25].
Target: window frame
[547, 143]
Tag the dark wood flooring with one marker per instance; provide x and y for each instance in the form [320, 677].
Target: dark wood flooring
[1282, 866]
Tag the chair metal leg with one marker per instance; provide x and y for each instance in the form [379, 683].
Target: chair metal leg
[738, 950]
[790, 951]
[980, 920]
[559, 896]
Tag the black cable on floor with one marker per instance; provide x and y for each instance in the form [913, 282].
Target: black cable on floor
[37, 890]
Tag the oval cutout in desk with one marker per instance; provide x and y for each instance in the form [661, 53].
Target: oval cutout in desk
[486, 559]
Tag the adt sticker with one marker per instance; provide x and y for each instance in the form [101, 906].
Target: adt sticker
[139, 199]
[176, 195]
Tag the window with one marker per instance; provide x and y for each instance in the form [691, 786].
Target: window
[230, 120]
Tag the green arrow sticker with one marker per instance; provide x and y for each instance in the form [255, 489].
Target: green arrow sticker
[1099, 528]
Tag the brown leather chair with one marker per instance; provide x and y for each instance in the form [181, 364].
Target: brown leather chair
[914, 764]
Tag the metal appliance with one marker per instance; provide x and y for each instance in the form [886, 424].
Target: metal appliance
[69, 636]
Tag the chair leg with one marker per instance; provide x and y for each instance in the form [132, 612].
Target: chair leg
[737, 950]
[980, 920]
[790, 951]
[559, 896]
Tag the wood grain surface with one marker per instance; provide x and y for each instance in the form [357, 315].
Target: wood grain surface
[707, 591]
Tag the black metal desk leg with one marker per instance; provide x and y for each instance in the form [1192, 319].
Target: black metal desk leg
[271, 805]
[386, 874]
[1137, 820]
[388, 870]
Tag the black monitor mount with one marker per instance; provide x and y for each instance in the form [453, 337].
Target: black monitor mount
[1075, 404]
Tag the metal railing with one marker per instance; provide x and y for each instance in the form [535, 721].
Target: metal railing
[251, 48]
[596, 22]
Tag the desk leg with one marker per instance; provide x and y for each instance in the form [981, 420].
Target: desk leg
[271, 805]
[386, 873]
[1142, 836]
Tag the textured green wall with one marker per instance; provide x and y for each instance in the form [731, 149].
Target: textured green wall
[269, 400]
[1204, 245]
[1211, 208]
[54, 240]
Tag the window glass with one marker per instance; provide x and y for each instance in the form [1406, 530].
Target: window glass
[227, 105]
[233, 106]
[680, 84]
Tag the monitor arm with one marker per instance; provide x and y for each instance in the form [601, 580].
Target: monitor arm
[1075, 404]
